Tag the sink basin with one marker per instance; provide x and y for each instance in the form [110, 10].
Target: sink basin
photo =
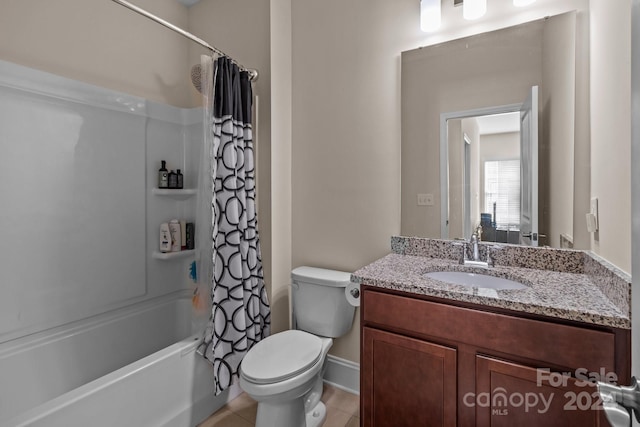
[475, 280]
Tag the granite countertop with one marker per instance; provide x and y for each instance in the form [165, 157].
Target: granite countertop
[559, 294]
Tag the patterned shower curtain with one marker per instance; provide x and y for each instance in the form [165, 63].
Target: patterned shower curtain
[240, 313]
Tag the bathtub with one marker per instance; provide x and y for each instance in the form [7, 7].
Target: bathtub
[135, 366]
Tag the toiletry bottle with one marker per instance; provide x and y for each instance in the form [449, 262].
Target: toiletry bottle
[176, 240]
[183, 234]
[190, 235]
[179, 179]
[163, 176]
[173, 180]
[165, 238]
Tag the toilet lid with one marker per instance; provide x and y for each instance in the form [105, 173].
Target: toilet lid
[281, 356]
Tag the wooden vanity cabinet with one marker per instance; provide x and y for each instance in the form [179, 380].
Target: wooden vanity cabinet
[412, 382]
[522, 398]
[430, 362]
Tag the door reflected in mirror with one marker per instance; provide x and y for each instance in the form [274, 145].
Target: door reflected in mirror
[491, 182]
[484, 177]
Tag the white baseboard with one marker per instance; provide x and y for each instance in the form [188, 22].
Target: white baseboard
[343, 374]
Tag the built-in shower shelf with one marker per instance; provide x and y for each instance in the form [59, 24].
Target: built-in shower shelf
[173, 255]
[178, 194]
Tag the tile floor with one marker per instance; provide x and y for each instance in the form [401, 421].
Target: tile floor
[343, 410]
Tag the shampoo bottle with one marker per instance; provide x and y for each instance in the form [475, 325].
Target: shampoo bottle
[165, 238]
[176, 240]
[163, 176]
[179, 179]
[183, 235]
[190, 230]
[173, 180]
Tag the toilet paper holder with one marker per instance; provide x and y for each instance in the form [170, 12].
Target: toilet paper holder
[352, 293]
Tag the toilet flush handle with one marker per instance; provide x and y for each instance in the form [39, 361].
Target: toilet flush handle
[355, 292]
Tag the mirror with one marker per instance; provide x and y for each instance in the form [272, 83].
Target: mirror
[447, 90]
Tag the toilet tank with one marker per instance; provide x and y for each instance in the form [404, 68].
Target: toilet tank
[319, 303]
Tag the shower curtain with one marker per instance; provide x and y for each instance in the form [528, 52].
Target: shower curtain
[240, 314]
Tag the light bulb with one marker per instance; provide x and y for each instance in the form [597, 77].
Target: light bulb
[474, 9]
[430, 15]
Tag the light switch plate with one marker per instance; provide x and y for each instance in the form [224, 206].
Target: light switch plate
[592, 225]
[593, 221]
[425, 199]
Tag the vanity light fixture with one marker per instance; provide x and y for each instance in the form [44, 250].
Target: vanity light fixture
[430, 15]
[520, 3]
[474, 9]
[431, 11]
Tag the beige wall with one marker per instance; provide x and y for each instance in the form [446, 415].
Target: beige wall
[100, 42]
[611, 128]
[582, 134]
[556, 138]
[346, 133]
[281, 116]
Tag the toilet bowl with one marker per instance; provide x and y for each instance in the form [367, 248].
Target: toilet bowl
[284, 375]
[284, 372]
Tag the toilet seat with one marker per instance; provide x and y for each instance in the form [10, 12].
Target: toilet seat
[281, 356]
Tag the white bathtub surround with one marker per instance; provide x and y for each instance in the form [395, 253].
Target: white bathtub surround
[93, 329]
[240, 316]
[82, 161]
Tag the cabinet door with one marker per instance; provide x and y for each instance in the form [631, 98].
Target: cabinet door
[406, 382]
[509, 394]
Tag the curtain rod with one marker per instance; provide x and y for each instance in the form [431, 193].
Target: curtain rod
[253, 74]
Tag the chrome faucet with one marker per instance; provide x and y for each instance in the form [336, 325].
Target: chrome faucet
[475, 252]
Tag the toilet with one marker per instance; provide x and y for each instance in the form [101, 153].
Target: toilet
[284, 372]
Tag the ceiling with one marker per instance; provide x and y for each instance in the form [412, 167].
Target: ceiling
[499, 123]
